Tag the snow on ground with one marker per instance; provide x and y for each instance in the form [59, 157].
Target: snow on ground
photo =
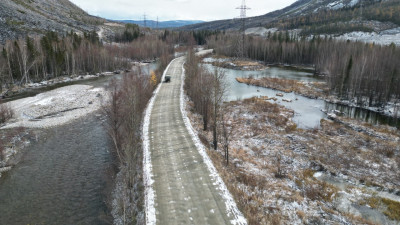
[230, 203]
[262, 31]
[353, 3]
[335, 5]
[384, 38]
[204, 52]
[327, 173]
[56, 107]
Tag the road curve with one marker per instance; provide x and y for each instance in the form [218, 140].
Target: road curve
[185, 192]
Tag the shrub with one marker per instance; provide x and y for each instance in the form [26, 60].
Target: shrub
[6, 113]
[393, 209]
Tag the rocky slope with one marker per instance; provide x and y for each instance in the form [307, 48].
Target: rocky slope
[29, 17]
[310, 12]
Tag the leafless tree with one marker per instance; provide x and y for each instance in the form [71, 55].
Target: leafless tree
[219, 91]
[226, 132]
[366, 73]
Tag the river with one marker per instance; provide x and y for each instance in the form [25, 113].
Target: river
[61, 178]
[64, 177]
[308, 112]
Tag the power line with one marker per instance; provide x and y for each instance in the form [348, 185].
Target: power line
[243, 11]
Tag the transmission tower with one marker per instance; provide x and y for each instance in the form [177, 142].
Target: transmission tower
[241, 45]
[157, 22]
[144, 20]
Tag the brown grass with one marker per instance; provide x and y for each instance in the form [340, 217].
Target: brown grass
[314, 90]
[6, 112]
[393, 209]
[250, 205]
[339, 148]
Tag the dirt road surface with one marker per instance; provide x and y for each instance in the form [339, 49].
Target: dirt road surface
[185, 192]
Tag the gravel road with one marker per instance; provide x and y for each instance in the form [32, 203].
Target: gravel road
[185, 192]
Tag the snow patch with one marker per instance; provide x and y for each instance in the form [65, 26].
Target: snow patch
[317, 174]
[386, 37]
[335, 5]
[230, 204]
[353, 3]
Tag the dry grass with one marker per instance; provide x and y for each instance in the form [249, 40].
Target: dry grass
[239, 64]
[249, 204]
[6, 112]
[393, 209]
[263, 185]
[243, 63]
[313, 90]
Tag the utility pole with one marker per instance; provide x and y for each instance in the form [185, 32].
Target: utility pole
[157, 22]
[144, 20]
[243, 11]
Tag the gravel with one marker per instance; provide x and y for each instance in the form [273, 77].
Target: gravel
[56, 107]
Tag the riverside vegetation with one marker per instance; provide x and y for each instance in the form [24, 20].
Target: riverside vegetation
[281, 174]
[365, 74]
[124, 110]
[275, 167]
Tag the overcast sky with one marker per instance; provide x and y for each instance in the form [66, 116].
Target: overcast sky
[177, 9]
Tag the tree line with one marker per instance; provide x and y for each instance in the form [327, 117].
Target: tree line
[41, 58]
[131, 32]
[358, 71]
[34, 59]
[124, 112]
[207, 91]
[128, 99]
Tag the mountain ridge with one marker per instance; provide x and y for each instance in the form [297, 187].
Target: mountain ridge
[306, 9]
[162, 24]
[19, 18]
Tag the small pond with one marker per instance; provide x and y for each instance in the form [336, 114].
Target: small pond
[308, 112]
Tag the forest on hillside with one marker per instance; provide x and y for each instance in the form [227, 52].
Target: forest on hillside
[342, 20]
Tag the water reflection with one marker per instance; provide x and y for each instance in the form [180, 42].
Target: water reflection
[308, 112]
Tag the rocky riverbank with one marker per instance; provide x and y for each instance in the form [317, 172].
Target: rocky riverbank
[45, 110]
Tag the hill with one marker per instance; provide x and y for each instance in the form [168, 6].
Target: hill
[321, 17]
[163, 24]
[21, 17]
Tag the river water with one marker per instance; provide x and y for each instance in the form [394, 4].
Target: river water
[308, 112]
[61, 179]
[66, 176]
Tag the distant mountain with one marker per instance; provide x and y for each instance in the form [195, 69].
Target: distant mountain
[320, 16]
[21, 17]
[163, 24]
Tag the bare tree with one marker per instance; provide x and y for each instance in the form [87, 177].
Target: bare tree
[226, 131]
[219, 91]
[26, 56]
[113, 112]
